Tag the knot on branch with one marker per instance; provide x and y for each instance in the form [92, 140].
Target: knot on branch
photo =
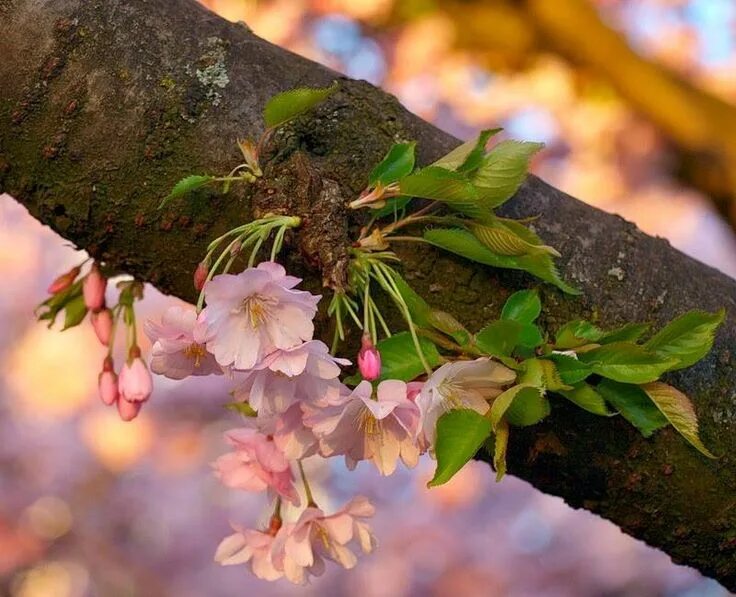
[295, 186]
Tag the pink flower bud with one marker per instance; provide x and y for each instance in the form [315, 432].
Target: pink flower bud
[135, 383]
[102, 324]
[94, 289]
[369, 359]
[107, 382]
[128, 410]
[63, 282]
[200, 275]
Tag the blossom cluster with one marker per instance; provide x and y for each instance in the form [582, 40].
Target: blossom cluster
[258, 328]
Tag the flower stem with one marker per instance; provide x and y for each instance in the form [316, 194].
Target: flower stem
[307, 489]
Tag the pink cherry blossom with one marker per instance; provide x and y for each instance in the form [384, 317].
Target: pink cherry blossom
[300, 548]
[256, 464]
[178, 350]
[107, 383]
[252, 314]
[305, 373]
[102, 324]
[135, 383]
[288, 431]
[93, 289]
[252, 547]
[461, 384]
[369, 359]
[382, 429]
[128, 410]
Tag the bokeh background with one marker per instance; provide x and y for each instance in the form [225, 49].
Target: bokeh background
[93, 506]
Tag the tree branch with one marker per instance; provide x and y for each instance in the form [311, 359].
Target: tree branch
[104, 104]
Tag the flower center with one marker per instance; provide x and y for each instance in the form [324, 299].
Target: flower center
[195, 351]
[452, 394]
[257, 308]
[367, 423]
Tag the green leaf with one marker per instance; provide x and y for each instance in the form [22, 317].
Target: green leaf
[571, 370]
[505, 242]
[446, 186]
[284, 106]
[523, 306]
[394, 207]
[585, 396]
[398, 163]
[630, 332]
[74, 312]
[503, 401]
[502, 337]
[463, 243]
[418, 308]
[52, 306]
[447, 324]
[688, 338]
[679, 411]
[627, 362]
[634, 405]
[460, 155]
[577, 333]
[186, 185]
[503, 170]
[500, 447]
[243, 408]
[474, 158]
[460, 434]
[399, 358]
[528, 407]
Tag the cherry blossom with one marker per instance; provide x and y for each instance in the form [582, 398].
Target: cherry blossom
[363, 427]
[300, 548]
[305, 373]
[135, 383]
[252, 547]
[461, 384]
[252, 314]
[178, 350]
[256, 464]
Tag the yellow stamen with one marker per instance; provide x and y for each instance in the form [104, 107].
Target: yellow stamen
[195, 351]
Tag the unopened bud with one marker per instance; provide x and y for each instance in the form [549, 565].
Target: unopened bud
[64, 281]
[107, 382]
[93, 289]
[102, 324]
[369, 359]
[200, 275]
[128, 410]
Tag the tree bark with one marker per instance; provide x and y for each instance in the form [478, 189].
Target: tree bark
[105, 104]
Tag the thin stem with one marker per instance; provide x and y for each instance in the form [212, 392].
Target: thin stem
[115, 317]
[307, 489]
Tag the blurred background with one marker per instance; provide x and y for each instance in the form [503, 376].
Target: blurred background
[636, 101]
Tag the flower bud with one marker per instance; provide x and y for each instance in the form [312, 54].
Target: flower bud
[107, 382]
[135, 383]
[64, 281]
[200, 275]
[369, 359]
[128, 410]
[102, 324]
[93, 289]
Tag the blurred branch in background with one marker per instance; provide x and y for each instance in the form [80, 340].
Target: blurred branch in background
[511, 35]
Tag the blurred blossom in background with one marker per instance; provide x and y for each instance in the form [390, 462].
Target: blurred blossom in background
[93, 506]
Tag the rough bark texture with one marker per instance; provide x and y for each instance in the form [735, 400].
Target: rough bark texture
[105, 104]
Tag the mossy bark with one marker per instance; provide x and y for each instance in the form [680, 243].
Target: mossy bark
[105, 104]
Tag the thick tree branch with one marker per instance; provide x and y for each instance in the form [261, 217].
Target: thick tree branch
[104, 104]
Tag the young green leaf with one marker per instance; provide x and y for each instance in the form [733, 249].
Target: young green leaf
[460, 434]
[474, 158]
[528, 407]
[459, 155]
[504, 242]
[284, 106]
[447, 324]
[502, 337]
[52, 306]
[570, 369]
[634, 405]
[688, 338]
[523, 306]
[501, 444]
[503, 401]
[463, 243]
[503, 170]
[627, 362]
[679, 411]
[399, 358]
[74, 312]
[418, 308]
[446, 186]
[586, 397]
[577, 333]
[630, 332]
[399, 162]
[186, 185]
